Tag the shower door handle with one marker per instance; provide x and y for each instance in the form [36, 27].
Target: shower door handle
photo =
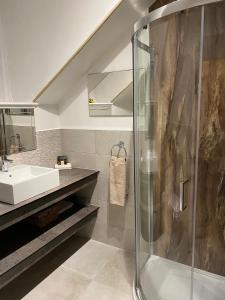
[182, 204]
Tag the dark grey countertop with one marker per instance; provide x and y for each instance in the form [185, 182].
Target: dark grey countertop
[67, 178]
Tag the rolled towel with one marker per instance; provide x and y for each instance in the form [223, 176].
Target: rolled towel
[118, 180]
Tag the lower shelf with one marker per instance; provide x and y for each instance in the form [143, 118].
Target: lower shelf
[45, 241]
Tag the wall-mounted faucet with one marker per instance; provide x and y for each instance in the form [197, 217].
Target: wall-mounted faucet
[5, 163]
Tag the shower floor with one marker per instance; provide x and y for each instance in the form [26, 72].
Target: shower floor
[164, 279]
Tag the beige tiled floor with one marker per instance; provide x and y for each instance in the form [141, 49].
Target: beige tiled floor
[95, 271]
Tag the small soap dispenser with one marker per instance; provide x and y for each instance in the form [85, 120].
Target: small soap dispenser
[62, 163]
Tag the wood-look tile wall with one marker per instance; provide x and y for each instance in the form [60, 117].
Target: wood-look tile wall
[210, 210]
[175, 84]
[159, 3]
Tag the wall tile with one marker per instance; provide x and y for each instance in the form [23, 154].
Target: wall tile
[49, 146]
[114, 236]
[114, 224]
[91, 149]
[105, 139]
[81, 141]
[102, 164]
[81, 160]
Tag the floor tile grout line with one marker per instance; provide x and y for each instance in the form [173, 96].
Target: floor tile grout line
[77, 272]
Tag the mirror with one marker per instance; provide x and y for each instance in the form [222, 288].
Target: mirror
[111, 93]
[17, 130]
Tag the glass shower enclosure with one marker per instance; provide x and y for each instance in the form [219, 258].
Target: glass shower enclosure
[179, 126]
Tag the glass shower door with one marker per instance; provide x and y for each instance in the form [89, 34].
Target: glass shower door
[166, 85]
[209, 260]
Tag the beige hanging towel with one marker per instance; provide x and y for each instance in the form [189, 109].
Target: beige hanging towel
[118, 180]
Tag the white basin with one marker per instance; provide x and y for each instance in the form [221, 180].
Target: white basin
[24, 181]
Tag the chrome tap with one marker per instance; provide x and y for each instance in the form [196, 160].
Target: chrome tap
[20, 146]
[5, 163]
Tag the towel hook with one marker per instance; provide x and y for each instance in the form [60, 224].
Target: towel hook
[121, 146]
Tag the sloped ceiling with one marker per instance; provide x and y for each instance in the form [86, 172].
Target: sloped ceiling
[42, 35]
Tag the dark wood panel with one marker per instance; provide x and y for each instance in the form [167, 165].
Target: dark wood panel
[176, 89]
[175, 82]
[210, 210]
[175, 85]
[159, 3]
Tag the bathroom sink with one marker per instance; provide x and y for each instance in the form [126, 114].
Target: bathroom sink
[25, 181]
